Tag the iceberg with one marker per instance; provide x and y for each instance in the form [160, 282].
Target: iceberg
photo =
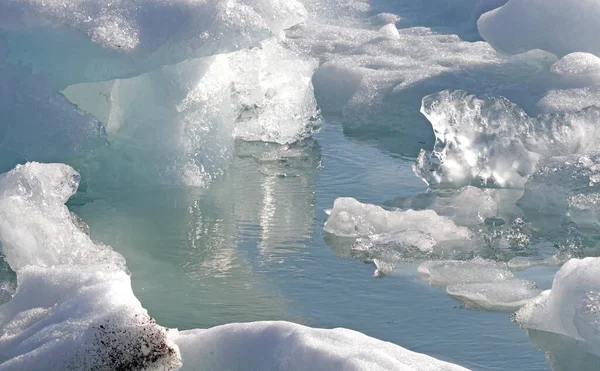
[178, 124]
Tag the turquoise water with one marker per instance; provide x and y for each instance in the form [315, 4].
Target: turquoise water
[252, 247]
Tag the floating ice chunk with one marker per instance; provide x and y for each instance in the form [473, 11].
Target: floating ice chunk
[130, 37]
[506, 296]
[73, 296]
[493, 142]
[572, 307]
[557, 26]
[373, 84]
[287, 346]
[178, 124]
[451, 272]
[351, 218]
[480, 284]
[575, 64]
[373, 234]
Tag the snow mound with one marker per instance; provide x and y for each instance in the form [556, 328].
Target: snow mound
[287, 346]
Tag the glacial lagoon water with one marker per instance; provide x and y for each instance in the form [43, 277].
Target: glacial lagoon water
[252, 247]
[163, 169]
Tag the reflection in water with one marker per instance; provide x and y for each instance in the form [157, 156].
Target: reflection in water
[196, 255]
[564, 353]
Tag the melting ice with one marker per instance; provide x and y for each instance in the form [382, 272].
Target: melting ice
[496, 101]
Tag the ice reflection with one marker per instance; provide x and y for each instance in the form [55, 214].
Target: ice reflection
[197, 255]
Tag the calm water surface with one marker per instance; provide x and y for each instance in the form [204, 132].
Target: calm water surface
[252, 247]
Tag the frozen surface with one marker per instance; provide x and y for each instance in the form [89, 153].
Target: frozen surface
[73, 297]
[287, 346]
[572, 307]
[559, 27]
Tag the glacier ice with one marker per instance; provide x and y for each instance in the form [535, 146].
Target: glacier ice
[351, 218]
[385, 237]
[479, 283]
[372, 83]
[74, 296]
[38, 123]
[493, 142]
[559, 27]
[177, 124]
[85, 41]
[572, 307]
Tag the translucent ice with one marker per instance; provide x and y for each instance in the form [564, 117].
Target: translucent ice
[572, 307]
[506, 296]
[82, 41]
[351, 218]
[38, 123]
[479, 283]
[177, 124]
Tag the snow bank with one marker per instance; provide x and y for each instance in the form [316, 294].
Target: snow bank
[287, 346]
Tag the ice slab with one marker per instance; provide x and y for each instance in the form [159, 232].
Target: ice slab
[479, 283]
[559, 27]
